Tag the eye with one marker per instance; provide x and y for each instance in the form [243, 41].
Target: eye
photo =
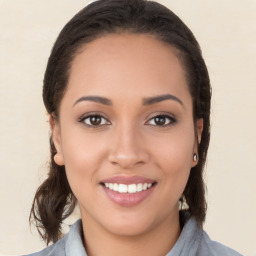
[94, 120]
[161, 120]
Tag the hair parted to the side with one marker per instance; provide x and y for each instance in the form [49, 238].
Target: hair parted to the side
[54, 200]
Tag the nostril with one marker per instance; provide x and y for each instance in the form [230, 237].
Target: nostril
[126, 161]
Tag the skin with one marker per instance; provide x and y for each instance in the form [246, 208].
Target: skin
[126, 69]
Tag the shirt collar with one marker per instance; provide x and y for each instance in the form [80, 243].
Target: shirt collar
[189, 240]
[73, 243]
[187, 243]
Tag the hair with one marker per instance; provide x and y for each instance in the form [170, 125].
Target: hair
[54, 200]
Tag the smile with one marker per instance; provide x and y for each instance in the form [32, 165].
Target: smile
[128, 191]
[131, 188]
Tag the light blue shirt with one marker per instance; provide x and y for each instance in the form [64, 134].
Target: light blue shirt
[193, 241]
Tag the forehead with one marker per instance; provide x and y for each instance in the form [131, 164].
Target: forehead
[127, 63]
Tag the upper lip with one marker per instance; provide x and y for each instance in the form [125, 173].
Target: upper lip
[127, 180]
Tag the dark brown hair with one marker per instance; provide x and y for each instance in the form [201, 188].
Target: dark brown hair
[54, 200]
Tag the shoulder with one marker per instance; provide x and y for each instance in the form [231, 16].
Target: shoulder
[210, 247]
[70, 243]
[57, 249]
[194, 241]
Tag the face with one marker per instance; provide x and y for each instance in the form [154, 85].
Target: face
[126, 133]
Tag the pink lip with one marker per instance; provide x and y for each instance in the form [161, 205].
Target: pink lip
[127, 199]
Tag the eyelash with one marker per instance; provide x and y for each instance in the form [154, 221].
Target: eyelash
[172, 120]
[93, 115]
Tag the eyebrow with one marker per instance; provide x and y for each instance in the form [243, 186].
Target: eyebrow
[97, 99]
[157, 99]
[146, 101]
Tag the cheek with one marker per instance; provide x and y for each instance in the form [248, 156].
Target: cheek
[176, 148]
[174, 156]
[83, 156]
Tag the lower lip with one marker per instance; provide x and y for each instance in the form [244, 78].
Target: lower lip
[128, 199]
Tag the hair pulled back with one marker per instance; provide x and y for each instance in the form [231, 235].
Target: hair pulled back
[54, 200]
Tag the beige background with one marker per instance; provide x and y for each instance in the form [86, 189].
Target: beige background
[226, 30]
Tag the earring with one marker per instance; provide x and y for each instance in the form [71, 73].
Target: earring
[183, 203]
[195, 157]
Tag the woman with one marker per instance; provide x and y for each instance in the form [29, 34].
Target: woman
[128, 97]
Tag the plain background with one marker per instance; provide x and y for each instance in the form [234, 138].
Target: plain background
[226, 31]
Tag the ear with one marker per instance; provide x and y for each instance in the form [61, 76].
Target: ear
[56, 137]
[199, 129]
[198, 134]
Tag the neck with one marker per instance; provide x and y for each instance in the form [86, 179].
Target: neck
[156, 241]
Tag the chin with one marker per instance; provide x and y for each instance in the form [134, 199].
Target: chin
[129, 229]
[133, 223]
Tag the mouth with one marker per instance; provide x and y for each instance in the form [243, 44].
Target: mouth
[128, 191]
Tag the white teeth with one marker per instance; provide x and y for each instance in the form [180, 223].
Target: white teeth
[139, 187]
[122, 188]
[131, 188]
[145, 186]
[115, 187]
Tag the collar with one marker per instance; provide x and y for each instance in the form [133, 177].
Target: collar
[187, 244]
[73, 243]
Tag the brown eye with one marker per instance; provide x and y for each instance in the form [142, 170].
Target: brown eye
[94, 120]
[161, 120]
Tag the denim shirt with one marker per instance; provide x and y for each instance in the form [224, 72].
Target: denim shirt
[193, 241]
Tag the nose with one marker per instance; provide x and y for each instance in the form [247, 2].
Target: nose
[127, 148]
